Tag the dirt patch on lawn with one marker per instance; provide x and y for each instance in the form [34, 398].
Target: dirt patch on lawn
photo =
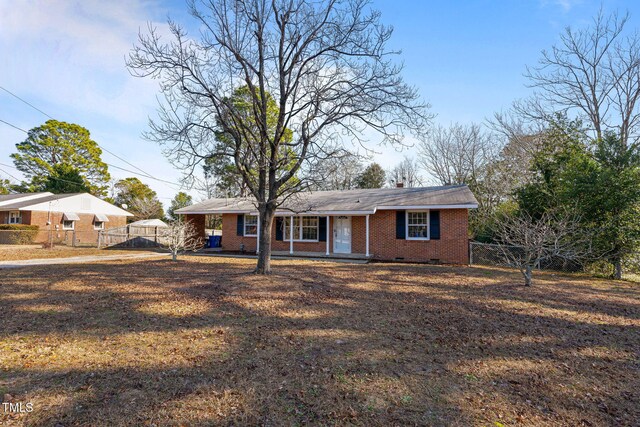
[204, 341]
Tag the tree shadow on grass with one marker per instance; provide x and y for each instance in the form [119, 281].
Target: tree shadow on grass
[203, 342]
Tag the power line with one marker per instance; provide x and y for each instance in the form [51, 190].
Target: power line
[135, 173]
[48, 177]
[148, 175]
[7, 173]
[30, 105]
[13, 126]
[108, 164]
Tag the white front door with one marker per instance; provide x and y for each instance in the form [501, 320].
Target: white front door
[342, 234]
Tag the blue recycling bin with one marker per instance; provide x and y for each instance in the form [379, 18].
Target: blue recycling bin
[215, 241]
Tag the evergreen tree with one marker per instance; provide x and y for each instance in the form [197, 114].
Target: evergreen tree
[372, 177]
[59, 143]
[598, 180]
[139, 198]
[65, 178]
[181, 200]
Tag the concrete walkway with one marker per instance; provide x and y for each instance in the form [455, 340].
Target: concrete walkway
[75, 260]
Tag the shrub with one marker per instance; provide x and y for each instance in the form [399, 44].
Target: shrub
[600, 268]
[18, 234]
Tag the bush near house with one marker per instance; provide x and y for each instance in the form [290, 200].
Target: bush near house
[18, 234]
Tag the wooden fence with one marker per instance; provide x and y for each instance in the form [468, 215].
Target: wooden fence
[131, 236]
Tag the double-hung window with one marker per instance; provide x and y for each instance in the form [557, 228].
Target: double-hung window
[305, 228]
[15, 218]
[309, 229]
[251, 225]
[68, 225]
[418, 225]
[98, 225]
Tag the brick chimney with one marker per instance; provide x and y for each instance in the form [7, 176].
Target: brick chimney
[399, 184]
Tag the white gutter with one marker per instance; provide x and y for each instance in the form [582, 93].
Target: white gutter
[323, 213]
[402, 208]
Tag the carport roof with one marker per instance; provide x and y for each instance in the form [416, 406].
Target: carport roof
[362, 201]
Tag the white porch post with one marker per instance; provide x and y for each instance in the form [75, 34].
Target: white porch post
[328, 235]
[291, 235]
[258, 236]
[367, 221]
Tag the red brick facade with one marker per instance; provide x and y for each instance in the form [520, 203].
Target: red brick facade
[452, 247]
[83, 231]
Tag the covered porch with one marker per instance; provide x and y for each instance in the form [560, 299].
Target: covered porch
[311, 234]
[345, 235]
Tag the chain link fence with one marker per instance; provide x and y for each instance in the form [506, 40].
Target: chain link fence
[494, 255]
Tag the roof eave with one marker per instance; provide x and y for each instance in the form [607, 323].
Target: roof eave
[451, 206]
[329, 212]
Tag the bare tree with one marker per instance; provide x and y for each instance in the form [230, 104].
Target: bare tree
[594, 72]
[526, 242]
[457, 154]
[146, 207]
[518, 139]
[179, 237]
[339, 172]
[407, 173]
[325, 66]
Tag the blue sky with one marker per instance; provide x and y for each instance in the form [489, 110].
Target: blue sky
[67, 58]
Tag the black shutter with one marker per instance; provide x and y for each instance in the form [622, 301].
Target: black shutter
[434, 225]
[240, 225]
[401, 222]
[322, 228]
[279, 227]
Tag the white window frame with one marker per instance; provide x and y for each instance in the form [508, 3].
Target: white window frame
[244, 226]
[406, 224]
[298, 228]
[100, 227]
[73, 225]
[17, 215]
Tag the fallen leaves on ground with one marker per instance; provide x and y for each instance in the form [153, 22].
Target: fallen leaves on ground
[205, 341]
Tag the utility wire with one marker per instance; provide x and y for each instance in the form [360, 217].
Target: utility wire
[108, 164]
[8, 174]
[29, 104]
[148, 175]
[49, 177]
[13, 126]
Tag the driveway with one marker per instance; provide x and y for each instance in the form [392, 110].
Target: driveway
[75, 260]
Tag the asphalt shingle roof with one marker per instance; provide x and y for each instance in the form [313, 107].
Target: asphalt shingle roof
[6, 197]
[357, 201]
[46, 197]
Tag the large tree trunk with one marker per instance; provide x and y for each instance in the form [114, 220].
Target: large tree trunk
[527, 275]
[617, 264]
[266, 216]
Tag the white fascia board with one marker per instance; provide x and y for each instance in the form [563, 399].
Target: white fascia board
[331, 213]
[205, 212]
[324, 213]
[426, 207]
[249, 212]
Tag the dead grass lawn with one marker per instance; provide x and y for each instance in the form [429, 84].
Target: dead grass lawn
[204, 341]
[24, 252]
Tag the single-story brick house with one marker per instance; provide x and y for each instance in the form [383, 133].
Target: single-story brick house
[428, 224]
[74, 218]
